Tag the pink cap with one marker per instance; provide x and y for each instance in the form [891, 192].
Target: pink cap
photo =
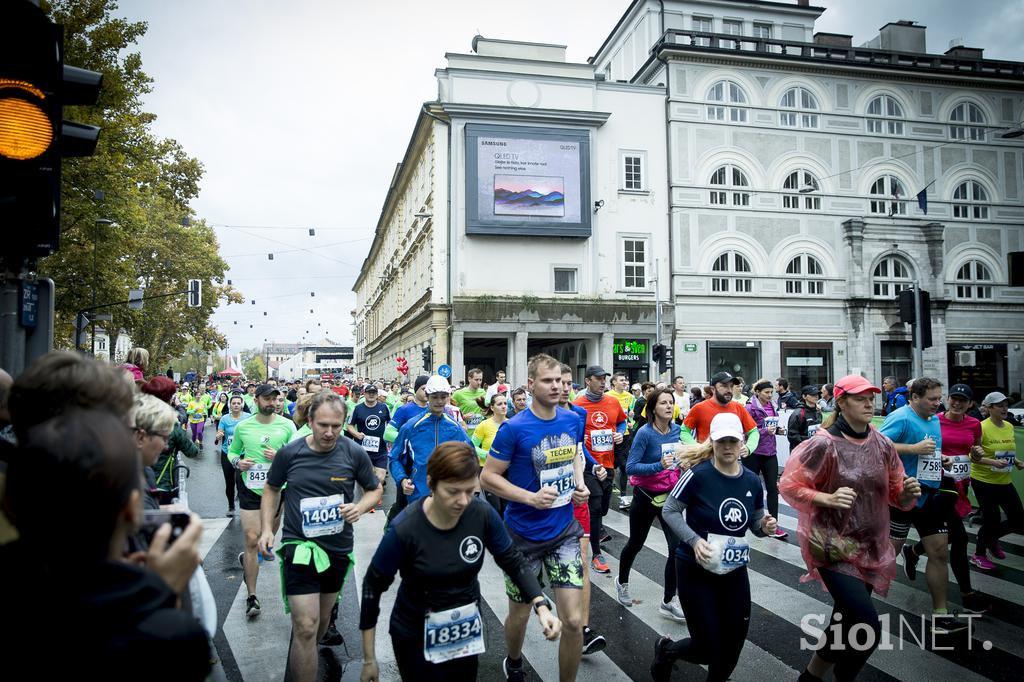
[854, 383]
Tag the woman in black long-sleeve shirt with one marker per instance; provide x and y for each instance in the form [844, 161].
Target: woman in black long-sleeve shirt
[437, 544]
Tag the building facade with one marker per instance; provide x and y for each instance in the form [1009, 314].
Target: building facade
[324, 357]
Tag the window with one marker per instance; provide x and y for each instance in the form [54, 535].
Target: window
[730, 268]
[896, 361]
[796, 181]
[633, 173]
[974, 281]
[802, 101]
[702, 24]
[966, 121]
[565, 280]
[762, 30]
[735, 183]
[634, 263]
[886, 193]
[970, 201]
[739, 358]
[802, 273]
[731, 102]
[733, 28]
[891, 276]
[889, 115]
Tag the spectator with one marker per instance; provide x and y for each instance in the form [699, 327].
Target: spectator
[155, 421]
[178, 441]
[696, 395]
[786, 399]
[136, 363]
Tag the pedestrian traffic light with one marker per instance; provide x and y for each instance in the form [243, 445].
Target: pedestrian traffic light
[34, 86]
[428, 358]
[195, 293]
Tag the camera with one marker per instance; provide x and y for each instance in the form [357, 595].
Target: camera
[152, 519]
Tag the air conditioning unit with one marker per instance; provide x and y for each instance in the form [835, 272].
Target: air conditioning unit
[965, 358]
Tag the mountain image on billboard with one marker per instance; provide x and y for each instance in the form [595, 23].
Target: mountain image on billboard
[529, 195]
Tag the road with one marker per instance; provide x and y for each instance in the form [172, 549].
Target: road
[257, 651]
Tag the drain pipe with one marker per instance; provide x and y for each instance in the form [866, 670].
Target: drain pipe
[668, 182]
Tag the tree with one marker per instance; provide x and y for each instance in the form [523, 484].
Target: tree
[254, 366]
[147, 183]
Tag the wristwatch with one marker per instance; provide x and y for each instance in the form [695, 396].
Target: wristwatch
[543, 602]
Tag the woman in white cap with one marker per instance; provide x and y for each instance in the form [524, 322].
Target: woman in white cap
[992, 484]
[842, 484]
[722, 500]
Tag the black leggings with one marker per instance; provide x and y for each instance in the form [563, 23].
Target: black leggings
[600, 498]
[641, 515]
[852, 598]
[992, 496]
[229, 479]
[412, 665]
[957, 539]
[717, 609]
[768, 467]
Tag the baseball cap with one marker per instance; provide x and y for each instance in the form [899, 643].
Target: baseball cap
[962, 391]
[421, 380]
[723, 378]
[437, 384]
[810, 389]
[726, 425]
[369, 388]
[266, 389]
[994, 398]
[854, 383]
[595, 371]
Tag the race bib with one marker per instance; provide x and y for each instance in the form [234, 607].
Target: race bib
[602, 441]
[473, 420]
[773, 422]
[321, 515]
[256, 476]
[452, 634]
[929, 467]
[728, 553]
[670, 449]
[961, 469]
[562, 480]
[371, 443]
[1006, 458]
[812, 429]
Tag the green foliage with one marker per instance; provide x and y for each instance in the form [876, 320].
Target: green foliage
[148, 183]
[254, 366]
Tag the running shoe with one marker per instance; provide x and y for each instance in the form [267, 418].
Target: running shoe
[661, 669]
[672, 610]
[598, 564]
[625, 501]
[269, 557]
[592, 642]
[974, 602]
[910, 560]
[513, 674]
[780, 534]
[947, 623]
[982, 562]
[997, 551]
[332, 637]
[252, 606]
[622, 593]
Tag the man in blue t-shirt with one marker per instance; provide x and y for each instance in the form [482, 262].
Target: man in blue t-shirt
[915, 431]
[539, 450]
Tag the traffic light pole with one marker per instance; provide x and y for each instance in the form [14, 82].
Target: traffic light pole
[657, 307]
[918, 333]
[84, 313]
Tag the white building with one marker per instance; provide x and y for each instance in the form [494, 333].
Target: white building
[314, 359]
[117, 353]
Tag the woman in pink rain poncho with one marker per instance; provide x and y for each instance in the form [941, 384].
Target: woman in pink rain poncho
[841, 482]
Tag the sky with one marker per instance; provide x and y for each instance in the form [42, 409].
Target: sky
[300, 110]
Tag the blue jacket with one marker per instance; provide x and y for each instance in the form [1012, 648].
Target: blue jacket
[414, 445]
[895, 400]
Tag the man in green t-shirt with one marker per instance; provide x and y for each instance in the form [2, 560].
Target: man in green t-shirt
[466, 400]
[255, 443]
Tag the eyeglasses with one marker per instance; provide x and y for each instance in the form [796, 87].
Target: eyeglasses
[164, 437]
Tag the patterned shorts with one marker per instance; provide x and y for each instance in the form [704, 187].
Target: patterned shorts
[557, 562]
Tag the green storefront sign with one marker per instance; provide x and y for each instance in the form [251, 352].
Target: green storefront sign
[630, 353]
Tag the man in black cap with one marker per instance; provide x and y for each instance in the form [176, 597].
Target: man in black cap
[697, 425]
[806, 419]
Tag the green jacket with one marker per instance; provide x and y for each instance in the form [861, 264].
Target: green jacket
[178, 442]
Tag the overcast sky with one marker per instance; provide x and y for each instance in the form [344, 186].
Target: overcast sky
[300, 110]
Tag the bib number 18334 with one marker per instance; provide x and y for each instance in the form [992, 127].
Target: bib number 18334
[452, 634]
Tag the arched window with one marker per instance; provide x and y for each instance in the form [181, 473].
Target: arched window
[729, 102]
[734, 186]
[805, 105]
[803, 276]
[887, 193]
[797, 181]
[970, 201]
[974, 281]
[966, 122]
[733, 269]
[887, 116]
[891, 276]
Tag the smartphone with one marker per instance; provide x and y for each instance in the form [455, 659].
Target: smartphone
[152, 519]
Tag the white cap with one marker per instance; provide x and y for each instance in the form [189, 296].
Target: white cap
[437, 384]
[726, 425]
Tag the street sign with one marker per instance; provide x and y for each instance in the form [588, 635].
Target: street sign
[135, 301]
[445, 371]
[29, 304]
[690, 348]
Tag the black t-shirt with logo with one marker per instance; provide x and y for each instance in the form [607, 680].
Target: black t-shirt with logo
[312, 478]
[371, 421]
[717, 503]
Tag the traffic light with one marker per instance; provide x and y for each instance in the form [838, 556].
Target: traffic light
[659, 353]
[428, 358]
[34, 86]
[195, 293]
[908, 314]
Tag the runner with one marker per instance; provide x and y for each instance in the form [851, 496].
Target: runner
[251, 452]
[483, 436]
[786, 399]
[250, 398]
[993, 486]
[764, 460]
[418, 438]
[466, 399]
[197, 411]
[681, 397]
[592, 642]
[843, 485]
[320, 508]
[519, 401]
[366, 426]
[539, 451]
[654, 470]
[225, 435]
[620, 391]
[438, 541]
[895, 395]
[914, 430]
[805, 420]
[219, 408]
[722, 501]
[961, 435]
[697, 424]
[605, 426]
